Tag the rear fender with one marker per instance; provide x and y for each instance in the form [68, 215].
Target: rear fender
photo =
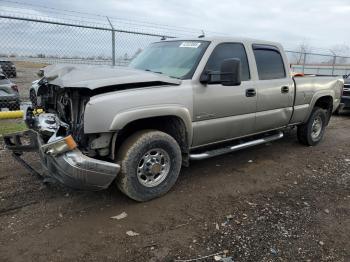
[316, 97]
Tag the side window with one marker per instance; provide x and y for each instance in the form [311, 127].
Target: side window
[226, 51]
[269, 63]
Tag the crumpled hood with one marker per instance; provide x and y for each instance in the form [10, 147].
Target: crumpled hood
[93, 77]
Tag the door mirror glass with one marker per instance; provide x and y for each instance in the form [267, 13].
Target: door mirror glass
[230, 72]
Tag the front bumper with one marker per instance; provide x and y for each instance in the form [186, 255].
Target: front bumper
[72, 168]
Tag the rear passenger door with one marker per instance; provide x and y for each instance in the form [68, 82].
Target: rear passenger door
[275, 89]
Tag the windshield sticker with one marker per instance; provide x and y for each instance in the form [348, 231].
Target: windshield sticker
[190, 44]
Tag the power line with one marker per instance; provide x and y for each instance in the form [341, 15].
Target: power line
[126, 21]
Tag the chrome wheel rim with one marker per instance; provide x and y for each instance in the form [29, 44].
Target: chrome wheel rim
[316, 128]
[153, 167]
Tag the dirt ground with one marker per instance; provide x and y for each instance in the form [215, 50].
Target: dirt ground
[276, 202]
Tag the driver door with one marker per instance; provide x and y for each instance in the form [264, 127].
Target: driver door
[224, 112]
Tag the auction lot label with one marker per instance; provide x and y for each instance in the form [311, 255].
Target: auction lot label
[190, 44]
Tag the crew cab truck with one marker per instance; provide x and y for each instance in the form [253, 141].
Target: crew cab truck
[179, 100]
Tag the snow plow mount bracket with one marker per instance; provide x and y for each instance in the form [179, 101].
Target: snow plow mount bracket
[15, 143]
[21, 142]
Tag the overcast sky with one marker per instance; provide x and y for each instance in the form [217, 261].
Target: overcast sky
[320, 23]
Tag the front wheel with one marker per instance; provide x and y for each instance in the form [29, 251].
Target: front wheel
[311, 133]
[150, 165]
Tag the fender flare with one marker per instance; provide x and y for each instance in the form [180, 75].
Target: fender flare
[125, 117]
[316, 97]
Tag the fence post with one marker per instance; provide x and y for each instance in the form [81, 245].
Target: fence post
[304, 61]
[333, 65]
[113, 41]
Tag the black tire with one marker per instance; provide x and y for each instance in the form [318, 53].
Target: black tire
[131, 179]
[306, 134]
[337, 111]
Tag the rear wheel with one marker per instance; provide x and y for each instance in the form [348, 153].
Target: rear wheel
[150, 165]
[311, 133]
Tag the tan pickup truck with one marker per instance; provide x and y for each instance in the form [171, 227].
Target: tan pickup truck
[179, 100]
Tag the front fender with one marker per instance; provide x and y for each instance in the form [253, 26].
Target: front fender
[125, 117]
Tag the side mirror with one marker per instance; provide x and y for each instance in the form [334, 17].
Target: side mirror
[230, 72]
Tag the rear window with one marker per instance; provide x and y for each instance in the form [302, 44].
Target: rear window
[4, 80]
[6, 63]
[269, 62]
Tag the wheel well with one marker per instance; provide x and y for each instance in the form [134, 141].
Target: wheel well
[172, 125]
[325, 102]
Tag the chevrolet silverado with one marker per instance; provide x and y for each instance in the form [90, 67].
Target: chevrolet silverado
[179, 100]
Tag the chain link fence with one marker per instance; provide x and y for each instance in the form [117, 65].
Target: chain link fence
[319, 64]
[28, 44]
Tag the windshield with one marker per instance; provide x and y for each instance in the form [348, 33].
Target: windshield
[177, 59]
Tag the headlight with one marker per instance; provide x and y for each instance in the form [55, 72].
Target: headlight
[60, 146]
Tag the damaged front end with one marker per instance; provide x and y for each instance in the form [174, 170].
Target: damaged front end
[56, 132]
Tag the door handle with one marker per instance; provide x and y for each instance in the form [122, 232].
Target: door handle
[250, 92]
[285, 89]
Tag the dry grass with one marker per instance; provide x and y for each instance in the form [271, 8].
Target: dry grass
[8, 126]
[25, 64]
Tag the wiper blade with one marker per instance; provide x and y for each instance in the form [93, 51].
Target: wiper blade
[175, 77]
[157, 72]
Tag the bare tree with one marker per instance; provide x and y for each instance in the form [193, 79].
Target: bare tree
[341, 52]
[301, 49]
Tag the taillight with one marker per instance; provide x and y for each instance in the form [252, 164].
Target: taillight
[14, 88]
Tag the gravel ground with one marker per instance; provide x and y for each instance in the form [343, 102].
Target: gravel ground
[277, 202]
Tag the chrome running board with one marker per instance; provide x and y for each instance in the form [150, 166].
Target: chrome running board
[229, 149]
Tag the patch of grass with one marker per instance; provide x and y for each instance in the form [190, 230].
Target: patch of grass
[10, 126]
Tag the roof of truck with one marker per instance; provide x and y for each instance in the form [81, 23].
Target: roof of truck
[222, 39]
